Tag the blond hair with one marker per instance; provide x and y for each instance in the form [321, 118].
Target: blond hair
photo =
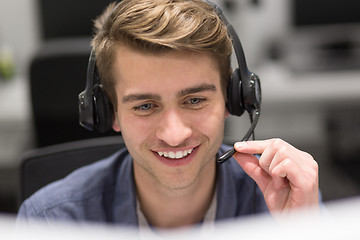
[158, 26]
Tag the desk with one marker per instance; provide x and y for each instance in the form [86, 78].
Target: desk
[338, 221]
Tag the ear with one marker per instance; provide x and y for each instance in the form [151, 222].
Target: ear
[226, 113]
[116, 123]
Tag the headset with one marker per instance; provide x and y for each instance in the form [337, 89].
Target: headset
[243, 92]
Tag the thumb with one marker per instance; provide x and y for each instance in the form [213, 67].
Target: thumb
[250, 164]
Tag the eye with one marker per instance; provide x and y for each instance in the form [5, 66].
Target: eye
[195, 100]
[195, 103]
[145, 109]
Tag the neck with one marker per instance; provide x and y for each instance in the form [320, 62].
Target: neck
[165, 207]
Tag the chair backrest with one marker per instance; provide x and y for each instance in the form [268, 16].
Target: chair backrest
[57, 76]
[44, 165]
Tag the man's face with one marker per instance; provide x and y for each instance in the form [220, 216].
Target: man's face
[171, 113]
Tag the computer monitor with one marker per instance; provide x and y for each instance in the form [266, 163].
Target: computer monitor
[67, 18]
[307, 13]
[326, 35]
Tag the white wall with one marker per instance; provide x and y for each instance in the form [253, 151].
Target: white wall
[19, 29]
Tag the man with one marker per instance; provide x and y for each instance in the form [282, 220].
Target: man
[165, 67]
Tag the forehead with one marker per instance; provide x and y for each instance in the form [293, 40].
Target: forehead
[137, 70]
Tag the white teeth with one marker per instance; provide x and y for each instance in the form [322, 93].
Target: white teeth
[172, 155]
[177, 155]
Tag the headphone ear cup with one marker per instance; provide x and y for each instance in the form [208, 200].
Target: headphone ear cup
[252, 93]
[103, 110]
[235, 104]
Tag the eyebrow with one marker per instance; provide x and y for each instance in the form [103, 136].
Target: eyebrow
[139, 97]
[200, 88]
[184, 92]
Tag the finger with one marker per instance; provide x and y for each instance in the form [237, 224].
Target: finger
[258, 147]
[268, 161]
[278, 174]
[266, 158]
[286, 151]
[268, 151]
[250, 164]
[252, 147]
[297, 176]
[304, 184]
[270, 148]
[279, 156]
[280, 182]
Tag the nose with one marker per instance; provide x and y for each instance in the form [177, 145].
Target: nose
[173, 129]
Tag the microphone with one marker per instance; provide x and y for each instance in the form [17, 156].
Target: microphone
[227, 155]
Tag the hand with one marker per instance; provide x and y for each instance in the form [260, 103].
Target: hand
[287, 177]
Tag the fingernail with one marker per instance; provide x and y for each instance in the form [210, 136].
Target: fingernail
[240, 145]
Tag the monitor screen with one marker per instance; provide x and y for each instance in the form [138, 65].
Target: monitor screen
[67, 18]
[325, 12]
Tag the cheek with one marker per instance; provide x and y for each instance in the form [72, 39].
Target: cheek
[211, 121]
[135, 129]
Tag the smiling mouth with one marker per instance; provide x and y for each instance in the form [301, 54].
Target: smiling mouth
[175, 155]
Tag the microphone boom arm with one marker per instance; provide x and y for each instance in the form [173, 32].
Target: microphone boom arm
[228, 154]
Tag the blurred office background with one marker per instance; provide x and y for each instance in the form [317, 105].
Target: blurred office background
[307, 54]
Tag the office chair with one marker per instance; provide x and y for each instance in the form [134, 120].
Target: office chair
[44, 165]
[57, 75]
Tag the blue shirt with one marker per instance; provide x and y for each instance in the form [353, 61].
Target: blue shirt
[104, 192]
